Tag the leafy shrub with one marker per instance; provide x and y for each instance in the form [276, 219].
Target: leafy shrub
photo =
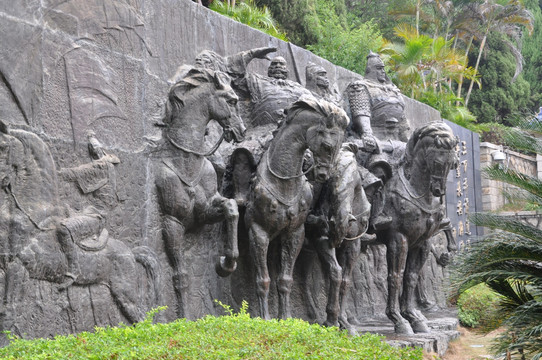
[249, 14]
[234, 336]
[477, 307]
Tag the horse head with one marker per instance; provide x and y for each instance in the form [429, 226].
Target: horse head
[326, 124]
[209, 96]
[432, 149]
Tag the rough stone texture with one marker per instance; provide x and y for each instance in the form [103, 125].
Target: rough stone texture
[70, 67]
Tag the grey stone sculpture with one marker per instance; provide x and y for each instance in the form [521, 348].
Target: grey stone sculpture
[414, 198]
[336, 230]
[317, 82]
[186, 181]
[281, 196]
[48, 242]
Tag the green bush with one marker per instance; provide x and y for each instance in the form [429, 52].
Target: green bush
[234, 336]
[477, 307]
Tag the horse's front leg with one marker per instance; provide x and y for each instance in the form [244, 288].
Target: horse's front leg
[347, 256]
[333, 270]
[259, 244]
[415, 262]
[291, 244]
[397, 250]
[224, 208]
[173, 234]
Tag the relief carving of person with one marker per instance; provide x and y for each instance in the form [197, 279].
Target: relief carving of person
[317, 82]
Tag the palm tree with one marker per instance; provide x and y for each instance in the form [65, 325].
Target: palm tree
[509, 259]
[506, 19]
[421, 63]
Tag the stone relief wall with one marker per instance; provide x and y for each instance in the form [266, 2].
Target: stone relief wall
[83, 85]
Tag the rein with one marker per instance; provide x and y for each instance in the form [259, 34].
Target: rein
[409, 190]
[286, 177]
[412, 199]
[208, 153]
[363, 232]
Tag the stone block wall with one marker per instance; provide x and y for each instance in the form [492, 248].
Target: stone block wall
[492, 191]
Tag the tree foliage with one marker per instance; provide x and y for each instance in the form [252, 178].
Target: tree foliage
[531, 50]
[499, 98]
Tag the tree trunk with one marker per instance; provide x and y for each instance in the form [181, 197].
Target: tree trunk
[460, 84]
[476, 67]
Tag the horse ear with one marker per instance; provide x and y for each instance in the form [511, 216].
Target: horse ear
[221, 80]
[176, 94]
[4, 127]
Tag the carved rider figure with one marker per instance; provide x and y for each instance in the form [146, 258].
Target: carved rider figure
[377, 105]
[317, 82]
[88, 229]
[378, 119]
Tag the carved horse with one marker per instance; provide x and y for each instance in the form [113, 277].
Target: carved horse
[186, 181]
[336, 230]
[31, 220]
[281, 195]
[414, 199]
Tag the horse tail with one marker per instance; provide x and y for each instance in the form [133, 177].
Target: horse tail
[146, 257]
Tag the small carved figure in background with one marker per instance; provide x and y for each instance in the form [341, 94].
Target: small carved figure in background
[317, 82]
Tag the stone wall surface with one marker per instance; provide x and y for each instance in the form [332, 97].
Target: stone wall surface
[80, 70]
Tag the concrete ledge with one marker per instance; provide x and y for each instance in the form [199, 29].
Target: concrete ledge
[443, 330]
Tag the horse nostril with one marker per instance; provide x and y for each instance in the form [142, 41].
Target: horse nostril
[327, 146]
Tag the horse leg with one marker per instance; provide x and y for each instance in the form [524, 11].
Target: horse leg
[415, 261]
[348, 255]
[122, 284]
[259, 244]
[291, 244]
[306, 265]
[173, 234]
[327, 256]
[223, 208]
[397, 250]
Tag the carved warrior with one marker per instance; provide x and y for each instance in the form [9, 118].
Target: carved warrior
[37, 224]
[186, 181]
[281, 196]
[377, 105]
[317, 82]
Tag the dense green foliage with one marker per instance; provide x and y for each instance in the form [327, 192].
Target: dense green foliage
[249, 14]
[235, 336]
[532, 54]
[509, 258]
[499, 98]
[343, 31]
[477, 308]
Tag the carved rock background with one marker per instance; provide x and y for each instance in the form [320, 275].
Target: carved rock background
[67, 67]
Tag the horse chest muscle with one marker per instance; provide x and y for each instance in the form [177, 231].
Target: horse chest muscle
[277, 216]
[420, 224]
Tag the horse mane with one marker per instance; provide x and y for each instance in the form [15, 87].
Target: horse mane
[332, 115]
[442, 136]
[193, 79]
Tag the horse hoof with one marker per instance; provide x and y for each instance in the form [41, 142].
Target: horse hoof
[403, 328]
[348, 327]
[331, 324]
[420, 326]
[222, 269]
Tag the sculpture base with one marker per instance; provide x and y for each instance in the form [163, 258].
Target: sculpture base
[443, 330]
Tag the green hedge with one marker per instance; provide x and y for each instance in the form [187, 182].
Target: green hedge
[234, 336]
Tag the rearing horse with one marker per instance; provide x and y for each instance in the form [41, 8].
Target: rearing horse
[414, 199]
[281, 196]
[186, 181]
